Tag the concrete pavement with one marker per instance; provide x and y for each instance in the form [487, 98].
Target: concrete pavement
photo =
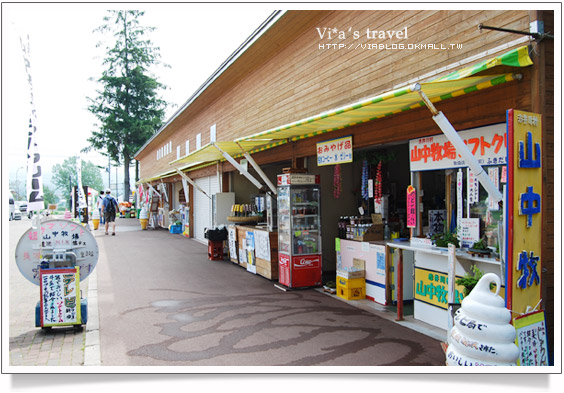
[66, 347]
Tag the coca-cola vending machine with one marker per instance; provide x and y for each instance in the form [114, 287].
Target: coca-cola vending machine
[299, 230]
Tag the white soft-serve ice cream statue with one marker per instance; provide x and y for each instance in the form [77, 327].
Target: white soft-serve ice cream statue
[482, 334]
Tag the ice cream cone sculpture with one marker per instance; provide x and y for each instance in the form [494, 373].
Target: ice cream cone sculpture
[482, 334]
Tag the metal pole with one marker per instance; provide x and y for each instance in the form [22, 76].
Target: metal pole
[239, 167]
[460, 147]
[259, 170]
[399, 285]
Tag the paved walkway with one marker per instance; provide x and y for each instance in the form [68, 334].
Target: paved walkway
[31, 346]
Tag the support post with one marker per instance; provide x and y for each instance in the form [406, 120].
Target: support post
[239, 167]
[259, 170]
[192, 182]
[399, 285]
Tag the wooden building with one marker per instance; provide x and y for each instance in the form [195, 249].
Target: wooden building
[311, 65]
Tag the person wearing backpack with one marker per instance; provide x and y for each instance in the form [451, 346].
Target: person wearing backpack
[109, 208]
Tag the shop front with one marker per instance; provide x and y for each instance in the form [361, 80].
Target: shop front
[398, 187]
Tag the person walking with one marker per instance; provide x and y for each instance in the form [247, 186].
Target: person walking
[99, 204]
[109, 208]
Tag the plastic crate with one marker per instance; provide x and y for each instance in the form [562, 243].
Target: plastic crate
[215, 250]
[351, 289]
[175, 229]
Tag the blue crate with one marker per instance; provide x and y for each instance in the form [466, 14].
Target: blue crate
[176, 229]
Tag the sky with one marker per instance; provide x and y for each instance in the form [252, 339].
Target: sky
[194, 39]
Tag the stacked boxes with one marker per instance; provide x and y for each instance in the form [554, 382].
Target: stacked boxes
[351, 288]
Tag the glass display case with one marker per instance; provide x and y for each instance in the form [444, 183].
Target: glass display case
[299, 230]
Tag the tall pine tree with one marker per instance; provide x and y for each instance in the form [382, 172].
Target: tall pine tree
[128, 107]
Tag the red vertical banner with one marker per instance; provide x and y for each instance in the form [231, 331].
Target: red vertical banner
[411, 207]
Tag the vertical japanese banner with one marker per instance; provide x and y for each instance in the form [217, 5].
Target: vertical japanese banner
[411, 207]
[493, 174]
[459, 199]
[473, 189]
[523, 212]
[81, 196]
[34, 180]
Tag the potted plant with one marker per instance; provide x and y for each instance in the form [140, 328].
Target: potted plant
[446, 238]
[480, 247]
[470, 279]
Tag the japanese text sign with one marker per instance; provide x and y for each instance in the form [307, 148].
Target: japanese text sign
[60, 296]
[335, 151]
[524, 210]
[411, 207]
[532, 339]
[488, 144]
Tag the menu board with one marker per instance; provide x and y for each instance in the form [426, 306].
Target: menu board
[60, 296]
[469, 231]
[531, 339]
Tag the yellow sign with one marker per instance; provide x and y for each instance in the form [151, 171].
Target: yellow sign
[431, 287]
[524, 210]
[335, 151]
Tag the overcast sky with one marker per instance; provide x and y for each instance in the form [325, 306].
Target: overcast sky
[194, 39]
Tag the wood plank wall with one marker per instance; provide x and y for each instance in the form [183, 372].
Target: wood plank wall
[302, 80]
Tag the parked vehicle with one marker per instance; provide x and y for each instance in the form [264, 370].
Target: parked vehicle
[17, 214]
[22, 206]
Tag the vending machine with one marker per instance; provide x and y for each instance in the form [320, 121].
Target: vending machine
[299, 230]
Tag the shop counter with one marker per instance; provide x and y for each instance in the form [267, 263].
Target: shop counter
[380, 267]
[430, 272]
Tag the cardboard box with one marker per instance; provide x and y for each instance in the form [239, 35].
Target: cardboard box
[358, 270]
[374, 232]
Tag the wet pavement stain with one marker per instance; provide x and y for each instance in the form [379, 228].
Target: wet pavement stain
[289, 329]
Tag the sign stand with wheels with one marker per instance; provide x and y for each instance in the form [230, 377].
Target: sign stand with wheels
[57, 255]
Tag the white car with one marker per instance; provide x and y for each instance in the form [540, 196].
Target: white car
[17, 215]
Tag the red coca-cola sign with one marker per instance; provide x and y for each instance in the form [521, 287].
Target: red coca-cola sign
[306, 262]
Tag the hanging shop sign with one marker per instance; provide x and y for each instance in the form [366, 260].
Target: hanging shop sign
[524, 210]
[60, 296]
[488, 144]
[335, 151]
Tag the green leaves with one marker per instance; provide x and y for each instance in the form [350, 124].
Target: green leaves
[128, 108]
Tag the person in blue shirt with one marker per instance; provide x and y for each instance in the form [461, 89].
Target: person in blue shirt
[109, 209]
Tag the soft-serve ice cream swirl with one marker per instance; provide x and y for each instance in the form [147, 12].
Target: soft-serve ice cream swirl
[482, 334]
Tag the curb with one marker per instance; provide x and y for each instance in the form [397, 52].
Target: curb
[92, 340]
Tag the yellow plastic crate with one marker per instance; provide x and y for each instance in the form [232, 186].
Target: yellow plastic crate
[351, 289]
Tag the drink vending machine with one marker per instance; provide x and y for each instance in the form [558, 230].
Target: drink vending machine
[299, 230]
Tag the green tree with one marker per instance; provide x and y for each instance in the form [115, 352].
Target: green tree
[128, 108]
[65, 175]
[49, 196]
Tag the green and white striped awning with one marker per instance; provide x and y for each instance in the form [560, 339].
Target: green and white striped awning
[515, 58]
[458, 83]
[396, 101]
